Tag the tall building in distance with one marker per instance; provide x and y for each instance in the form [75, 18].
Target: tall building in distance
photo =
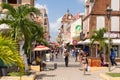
[42, 19]
[45, 23]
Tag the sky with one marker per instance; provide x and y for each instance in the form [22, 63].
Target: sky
[56, 9]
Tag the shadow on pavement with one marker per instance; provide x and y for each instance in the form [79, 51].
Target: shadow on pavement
[40, 76]
[63, 65]
[87, 74]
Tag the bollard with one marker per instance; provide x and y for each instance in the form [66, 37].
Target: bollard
[55, 65]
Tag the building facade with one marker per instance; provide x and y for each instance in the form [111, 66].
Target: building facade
[95, 18]
[64, 34]
[42, 19]
[18, 2]
[70, 28]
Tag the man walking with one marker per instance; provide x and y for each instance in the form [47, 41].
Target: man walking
[112, 57]
[66, 54]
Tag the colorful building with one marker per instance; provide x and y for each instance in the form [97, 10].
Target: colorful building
[95, 18]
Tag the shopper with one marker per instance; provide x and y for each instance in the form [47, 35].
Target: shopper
[84, 62]
[112, 57]
[66, 55]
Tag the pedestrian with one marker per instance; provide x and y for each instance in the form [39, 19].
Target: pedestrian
[112, 57]
[66, 57]
[80, 56]
[76, 54]
[52, 57]
[84, 62]
[101, 58]
[39, 62]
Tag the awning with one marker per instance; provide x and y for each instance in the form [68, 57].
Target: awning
[80, 42]
[87, 41]
[41, 48]
[114, 41]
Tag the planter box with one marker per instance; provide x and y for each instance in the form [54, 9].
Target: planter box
[94, 62]
[35, 68]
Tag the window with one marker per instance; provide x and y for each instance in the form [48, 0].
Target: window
[12, 1]
[115, 4]
[100, 22]
[19, 1]
[4, 1]
[115, 24]
[45, 15]
[45, 21]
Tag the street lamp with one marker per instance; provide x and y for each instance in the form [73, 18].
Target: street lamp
[108, 14]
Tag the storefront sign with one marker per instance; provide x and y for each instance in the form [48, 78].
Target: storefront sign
[112, 35]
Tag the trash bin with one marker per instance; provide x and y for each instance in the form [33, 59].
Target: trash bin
[55, 65]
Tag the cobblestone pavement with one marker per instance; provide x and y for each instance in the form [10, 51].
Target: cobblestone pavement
[73, 72]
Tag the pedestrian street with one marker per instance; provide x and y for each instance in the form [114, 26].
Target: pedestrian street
[72, 72]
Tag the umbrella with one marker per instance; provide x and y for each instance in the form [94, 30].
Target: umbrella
[40, 48]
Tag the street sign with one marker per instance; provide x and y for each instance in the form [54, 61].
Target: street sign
[74, 42]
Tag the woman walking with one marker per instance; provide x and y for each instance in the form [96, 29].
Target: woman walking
[85, 62]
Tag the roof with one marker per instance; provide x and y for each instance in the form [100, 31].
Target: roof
[67, 17]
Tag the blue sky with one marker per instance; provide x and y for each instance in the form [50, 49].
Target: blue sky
[56, 9]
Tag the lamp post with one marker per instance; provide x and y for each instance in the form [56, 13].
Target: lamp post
[108, 14]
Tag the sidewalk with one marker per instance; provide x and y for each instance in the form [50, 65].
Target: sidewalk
[73, 72]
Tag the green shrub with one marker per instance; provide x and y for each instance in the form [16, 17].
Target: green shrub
[18, 74]
[114, 74]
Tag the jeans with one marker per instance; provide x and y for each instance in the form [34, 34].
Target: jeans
[113, 61]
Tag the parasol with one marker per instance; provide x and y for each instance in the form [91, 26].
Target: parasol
[41, 48]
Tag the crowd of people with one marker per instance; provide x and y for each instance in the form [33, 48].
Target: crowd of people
[79, 55]
[82, 56]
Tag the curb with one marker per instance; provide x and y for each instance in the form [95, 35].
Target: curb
[30, 77]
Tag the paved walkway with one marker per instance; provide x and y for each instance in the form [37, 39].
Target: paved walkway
[73, 72]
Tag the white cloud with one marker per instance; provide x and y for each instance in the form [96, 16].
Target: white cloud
[54, 26]
[41, 7]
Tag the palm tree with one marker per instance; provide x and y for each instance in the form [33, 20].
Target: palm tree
[9, 54]
[99, 37]
[22, 27]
